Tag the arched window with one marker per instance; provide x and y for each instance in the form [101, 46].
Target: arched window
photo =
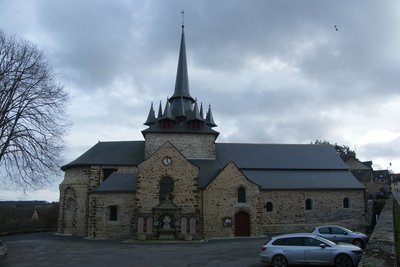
[346, 203]
[192, 227]
[166, 188]
[113, 213]
[69, 205]
[309, 204]
[270, 207]
[241, 194]
[184, 226]
[69, 200]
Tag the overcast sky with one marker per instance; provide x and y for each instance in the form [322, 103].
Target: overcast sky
[273, 71]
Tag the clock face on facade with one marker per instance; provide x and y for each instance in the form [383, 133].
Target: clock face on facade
[167, 161]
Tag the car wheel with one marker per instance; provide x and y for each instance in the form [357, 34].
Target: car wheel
[279, 261]
[343, 261]
[358, 243]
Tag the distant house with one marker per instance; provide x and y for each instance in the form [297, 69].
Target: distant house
[382, 176]
[364, 173]
[395, 183]
[361, 170]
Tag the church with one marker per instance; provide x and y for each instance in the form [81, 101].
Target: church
[180, 183]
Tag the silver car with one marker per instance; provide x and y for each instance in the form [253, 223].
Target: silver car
[284, 250]
[338, 234]
[3, 250]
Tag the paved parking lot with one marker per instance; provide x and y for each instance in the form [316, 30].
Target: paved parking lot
[47, 249]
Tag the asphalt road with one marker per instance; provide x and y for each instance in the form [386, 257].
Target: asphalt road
[48, 249]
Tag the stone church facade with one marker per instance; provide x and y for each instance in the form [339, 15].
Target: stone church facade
[179, 183]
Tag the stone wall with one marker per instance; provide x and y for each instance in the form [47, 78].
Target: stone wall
[87, 215]
[74, 187]
[73, 220]
[81, 181]
[380, 250]
[100, 225]
[192, 146]
[220, 201]
[185, 193]
[289, 214]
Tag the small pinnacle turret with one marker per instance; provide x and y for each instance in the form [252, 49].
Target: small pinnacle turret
[151, 118]
[210, 118]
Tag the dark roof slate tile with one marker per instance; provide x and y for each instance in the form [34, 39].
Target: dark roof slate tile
[118, 182]
[120, 153]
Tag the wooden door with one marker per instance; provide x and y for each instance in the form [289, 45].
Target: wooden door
[242, 224]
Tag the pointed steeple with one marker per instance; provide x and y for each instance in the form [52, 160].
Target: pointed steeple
[151, 118]
[181, 96]
[201, 111]
[182, 113]
[209, 118]
[195, 113]
[167, 112]
[159, 116]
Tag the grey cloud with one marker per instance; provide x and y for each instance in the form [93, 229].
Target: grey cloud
[122, 55]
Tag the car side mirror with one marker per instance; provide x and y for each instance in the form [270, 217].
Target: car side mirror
[322, 245]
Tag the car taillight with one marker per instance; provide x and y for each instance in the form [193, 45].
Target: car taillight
[263, 248]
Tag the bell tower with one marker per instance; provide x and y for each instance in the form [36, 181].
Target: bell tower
[182, 121]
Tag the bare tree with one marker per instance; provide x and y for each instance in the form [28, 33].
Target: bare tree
[32, 115]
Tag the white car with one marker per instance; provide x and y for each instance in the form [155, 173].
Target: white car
[339, 234]
[284, 250]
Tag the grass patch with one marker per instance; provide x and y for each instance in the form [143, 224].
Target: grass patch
[396, 224]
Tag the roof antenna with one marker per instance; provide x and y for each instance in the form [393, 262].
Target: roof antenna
[183, 18]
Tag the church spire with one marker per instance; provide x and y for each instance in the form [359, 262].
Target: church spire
[210, 118]
[151, 118]
[182, 113]
[181, 99]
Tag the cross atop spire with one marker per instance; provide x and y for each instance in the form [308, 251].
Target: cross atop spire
[183, 18]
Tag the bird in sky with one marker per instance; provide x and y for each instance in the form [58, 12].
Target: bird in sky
[336, 28]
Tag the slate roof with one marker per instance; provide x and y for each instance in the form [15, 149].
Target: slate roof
[280, 156]
[271, 166]
[295, 180]
[120, 153]
[281, 166]
[118, 182]
[355, 164]
[363, 176]
[179, 128]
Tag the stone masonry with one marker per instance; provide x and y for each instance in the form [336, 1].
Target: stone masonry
[192, 146]
[221, 201]
[289, 213]
[99, 224]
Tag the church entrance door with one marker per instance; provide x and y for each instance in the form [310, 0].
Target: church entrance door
[242, 224]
